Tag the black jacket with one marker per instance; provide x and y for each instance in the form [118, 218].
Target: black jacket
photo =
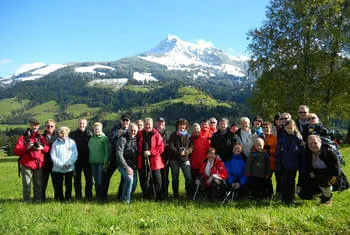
[223, 144]
[81, 139]
[178, 143]
[126, 152]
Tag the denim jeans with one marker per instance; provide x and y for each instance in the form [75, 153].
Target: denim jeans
[97, 172]
[186, 169]
[129, 184]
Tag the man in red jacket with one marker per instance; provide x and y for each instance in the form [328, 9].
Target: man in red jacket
[30, 147]
[150, 162]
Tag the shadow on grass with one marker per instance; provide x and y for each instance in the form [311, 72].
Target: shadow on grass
[8, 159]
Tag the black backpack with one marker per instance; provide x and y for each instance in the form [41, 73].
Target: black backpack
[334, 147]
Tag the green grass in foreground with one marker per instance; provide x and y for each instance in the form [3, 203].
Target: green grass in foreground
[168, 217]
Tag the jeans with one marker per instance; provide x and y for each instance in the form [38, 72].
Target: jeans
[186, 169]
[29, 175]
[97, 172]
[129, 184]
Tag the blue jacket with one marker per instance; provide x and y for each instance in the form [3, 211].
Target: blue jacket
[289, 153]
[236, 170]
[63, 153]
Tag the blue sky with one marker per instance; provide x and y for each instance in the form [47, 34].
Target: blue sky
[103, 30]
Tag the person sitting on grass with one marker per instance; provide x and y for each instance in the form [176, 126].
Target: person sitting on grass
[258, 170]
[213, 174]
[236, 170]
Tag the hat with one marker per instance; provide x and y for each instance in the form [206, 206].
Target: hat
[34, 121]
[161, 119]
[125, 116]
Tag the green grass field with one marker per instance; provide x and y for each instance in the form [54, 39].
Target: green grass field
[168, 217]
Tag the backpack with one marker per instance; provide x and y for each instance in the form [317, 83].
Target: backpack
[334, 147]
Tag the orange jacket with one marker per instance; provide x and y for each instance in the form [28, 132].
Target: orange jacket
[271, 141]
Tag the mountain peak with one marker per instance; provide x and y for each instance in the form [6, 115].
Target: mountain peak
[174, 44]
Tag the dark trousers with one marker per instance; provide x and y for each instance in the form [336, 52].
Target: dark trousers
[57, 179]
[195, 174]
[165, 173]
[288, 185]
[216, 191]
[151, 183]
[45, 173]
[278, 181]
[258, 187]
[86, 168]
[106, 179]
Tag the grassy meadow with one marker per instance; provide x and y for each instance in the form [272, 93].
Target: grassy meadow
[168, 217]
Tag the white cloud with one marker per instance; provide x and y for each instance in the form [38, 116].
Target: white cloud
[5, 61]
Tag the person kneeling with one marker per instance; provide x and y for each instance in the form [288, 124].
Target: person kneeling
[325, 171]
[214, 175]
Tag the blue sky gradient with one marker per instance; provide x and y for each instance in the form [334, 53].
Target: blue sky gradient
[91, 30]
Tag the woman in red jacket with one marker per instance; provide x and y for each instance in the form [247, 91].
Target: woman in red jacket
[200, 142]
[213, 175]
[149, 161]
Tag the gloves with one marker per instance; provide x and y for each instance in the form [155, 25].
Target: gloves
[235, 186]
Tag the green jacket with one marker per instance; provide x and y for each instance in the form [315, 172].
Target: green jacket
[99, 149]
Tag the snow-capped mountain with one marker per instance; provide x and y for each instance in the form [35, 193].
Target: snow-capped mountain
[29, 72]
[193, 61]
[177, 54]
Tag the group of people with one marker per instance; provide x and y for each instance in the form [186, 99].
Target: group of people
[215, 158]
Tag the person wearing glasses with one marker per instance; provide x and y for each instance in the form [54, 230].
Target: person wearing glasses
[315, 127]
[213, 125]
[257, 125]
[50, 134]
[120, 129]
[302, 121]
[81, 137]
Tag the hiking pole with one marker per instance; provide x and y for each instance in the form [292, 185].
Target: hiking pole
[232, 193]
[151, 176]
[195, 194]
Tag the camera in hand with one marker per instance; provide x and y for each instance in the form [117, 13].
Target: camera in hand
[182, 149]
[36, 145]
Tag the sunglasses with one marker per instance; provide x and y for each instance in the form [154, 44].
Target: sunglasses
[283, 118]
[302, 112]
[50, 126]
[312, 118]
[212, 122]
[125, 120]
